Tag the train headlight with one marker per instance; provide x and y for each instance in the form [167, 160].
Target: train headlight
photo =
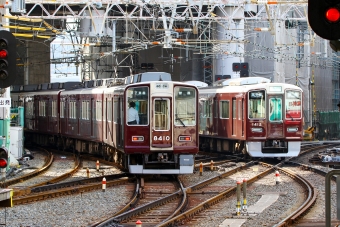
[137, 138]
[257, 129]
[184, 138]
[295, 129]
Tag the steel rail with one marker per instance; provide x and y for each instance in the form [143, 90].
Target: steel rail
[48, 162]
[68, 191]
[310, 201]
[212, 201]
[142, 209]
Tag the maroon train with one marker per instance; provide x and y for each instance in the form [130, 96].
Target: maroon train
[92, 118]
[252, 116]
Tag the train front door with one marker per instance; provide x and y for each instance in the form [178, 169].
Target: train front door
[275, 121]
[161, 134]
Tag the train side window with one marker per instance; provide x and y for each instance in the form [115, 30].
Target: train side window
[99, 107]
[240, 109]
[72, 109]
[85, 110]
[109, 110]
[115, 107]
[30, 106]
[206, 108]
[257, 105]
[234, 109]
[54, 108]
[62, 109]
[224, 109]
[42, 108]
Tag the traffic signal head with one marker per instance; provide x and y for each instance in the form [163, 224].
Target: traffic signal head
[8, 53]
[236, 67]
[244, 73]
[324, 18]
[222, 77]
[3, 157]
[244, 66]
[147, 66]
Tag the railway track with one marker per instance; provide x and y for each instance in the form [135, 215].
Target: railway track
[51, 188]
[155, 206]
[47, 164]
[57, 168]
[70, 188]
[200, 199]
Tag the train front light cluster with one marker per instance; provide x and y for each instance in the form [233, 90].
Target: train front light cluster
[257, 129]
[294, 129]
[137, 138]
[184, 138]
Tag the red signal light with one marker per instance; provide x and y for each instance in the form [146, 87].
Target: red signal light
[3, 53]
[333, 15]
[3, 163]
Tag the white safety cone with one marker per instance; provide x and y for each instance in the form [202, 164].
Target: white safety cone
[104, 184]
[97, 165]
[277, 177]
[138, 223]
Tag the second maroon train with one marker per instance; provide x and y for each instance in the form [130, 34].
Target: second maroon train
[252, 116]
[247, 115]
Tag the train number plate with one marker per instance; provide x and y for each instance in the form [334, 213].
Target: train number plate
[161, 138]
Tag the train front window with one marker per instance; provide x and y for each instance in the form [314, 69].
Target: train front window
[137, 99]
[161, 110]
[185, 106]
[275, 109]
[257, 105]
[293, 104]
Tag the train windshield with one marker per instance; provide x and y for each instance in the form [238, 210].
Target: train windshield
[137, 106]
[293, 104]
[257, 104]
[185, 106]
[275, 109]
[161, 108]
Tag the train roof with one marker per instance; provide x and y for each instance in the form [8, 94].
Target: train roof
[246, 85]
[197, 83]
[91, 90]
[242, 81]
[148, 76]
[157, 81]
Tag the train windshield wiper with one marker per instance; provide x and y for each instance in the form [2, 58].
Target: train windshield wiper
[179, 119]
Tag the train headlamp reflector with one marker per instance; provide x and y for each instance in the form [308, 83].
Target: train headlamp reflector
[292, 129]
[137, 138]
[256, 129]
[184, 138]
